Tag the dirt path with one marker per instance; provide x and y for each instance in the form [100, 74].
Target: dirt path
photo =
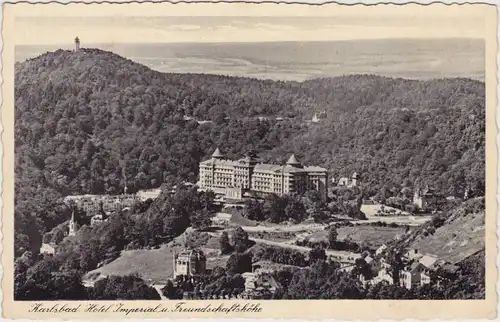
[293, 228]
[158, 288]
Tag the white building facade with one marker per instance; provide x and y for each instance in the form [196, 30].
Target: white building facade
[233, 178]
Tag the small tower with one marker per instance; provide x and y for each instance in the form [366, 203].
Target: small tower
[417, 198]
[217, 154]
[315, 118]
[77, 44]
[124, 175]
[294, 162]
[354, 179]
[72, 225]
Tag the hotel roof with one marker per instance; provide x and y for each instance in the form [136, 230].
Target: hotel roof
[314, 169]
[290, 167]
[293, 160]
[268, 167]
[220, 162]
[217, 154]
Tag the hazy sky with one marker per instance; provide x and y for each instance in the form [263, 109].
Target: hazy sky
[346, 24]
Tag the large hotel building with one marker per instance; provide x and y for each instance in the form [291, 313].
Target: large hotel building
[235, 178]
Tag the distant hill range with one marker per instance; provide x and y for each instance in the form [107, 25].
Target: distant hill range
[91, 121]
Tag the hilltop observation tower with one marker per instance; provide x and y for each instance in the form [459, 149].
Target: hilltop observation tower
[77, 44]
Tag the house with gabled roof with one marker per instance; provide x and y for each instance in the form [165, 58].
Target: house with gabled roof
[381, 249]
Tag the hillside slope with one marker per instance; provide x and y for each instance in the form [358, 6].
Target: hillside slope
[454, 235]
[92, 121]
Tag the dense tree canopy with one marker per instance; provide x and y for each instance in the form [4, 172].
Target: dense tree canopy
[162, 220]
[90, 121]
[93, 122]
[89, 116]
[122, 288]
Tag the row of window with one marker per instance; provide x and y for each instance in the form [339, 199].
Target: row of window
[257, 183]
[182, 263]
[260, 174]
[258, 186]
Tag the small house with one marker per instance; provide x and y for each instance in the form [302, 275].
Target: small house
[384, 263]
[412, 254]
[426, 198]
[425, 278]
[344, 181]
[410, 277]
[190, 262]
[48, 248]
[381, 249]
[98, 219]
[221, 219]
[349, 182]
[384, 275]
[250, 279]
[259, 285]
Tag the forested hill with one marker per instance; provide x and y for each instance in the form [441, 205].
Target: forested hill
[88, 120]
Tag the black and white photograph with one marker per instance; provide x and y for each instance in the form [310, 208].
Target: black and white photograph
[251, 157]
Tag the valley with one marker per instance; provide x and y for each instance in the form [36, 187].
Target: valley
[92, 122]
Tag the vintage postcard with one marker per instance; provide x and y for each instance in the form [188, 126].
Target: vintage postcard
[244, 160]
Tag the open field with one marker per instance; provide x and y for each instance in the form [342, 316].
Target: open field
[407, 219]
[375, 236]
[154, 266]
[236, 219]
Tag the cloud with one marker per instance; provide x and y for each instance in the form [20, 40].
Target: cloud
[276, 27]
[184, 27]
[62, 30]
[226, 28]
